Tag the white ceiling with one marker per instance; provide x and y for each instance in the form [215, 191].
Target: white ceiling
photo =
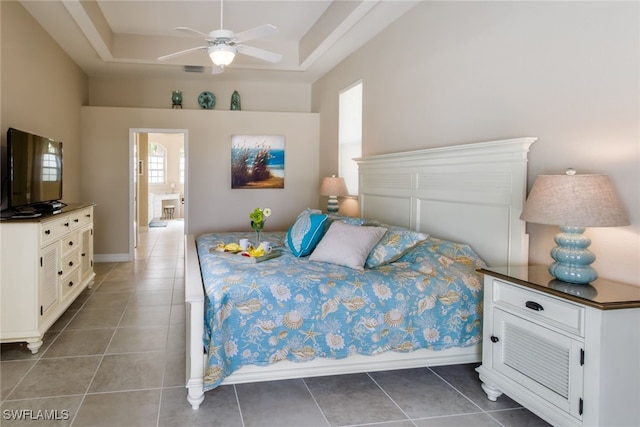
[107, 37]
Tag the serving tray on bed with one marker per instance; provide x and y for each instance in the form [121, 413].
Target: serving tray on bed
[237, 256]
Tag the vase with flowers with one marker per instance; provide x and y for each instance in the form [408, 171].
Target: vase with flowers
[258, 218]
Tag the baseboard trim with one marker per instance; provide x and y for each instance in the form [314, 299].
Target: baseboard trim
[112, 257]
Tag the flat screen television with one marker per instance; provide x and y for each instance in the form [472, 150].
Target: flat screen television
[35, 170]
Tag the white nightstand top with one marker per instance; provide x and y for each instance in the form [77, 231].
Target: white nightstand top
[602, 294]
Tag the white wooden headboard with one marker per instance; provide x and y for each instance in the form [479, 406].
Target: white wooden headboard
[471, 193]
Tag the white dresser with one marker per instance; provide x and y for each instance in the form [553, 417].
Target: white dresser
[569, 353]
[45, 263]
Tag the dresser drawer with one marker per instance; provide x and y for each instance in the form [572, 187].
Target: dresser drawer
[70, 243]
[52, 230]
[70, 282]
[539, 308]
[81, 217]
[70, 262]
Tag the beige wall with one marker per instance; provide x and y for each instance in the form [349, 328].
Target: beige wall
[458, 72]
[211, 204]
[42, 91]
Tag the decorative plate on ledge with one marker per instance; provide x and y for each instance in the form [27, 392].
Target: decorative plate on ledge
[207, 100]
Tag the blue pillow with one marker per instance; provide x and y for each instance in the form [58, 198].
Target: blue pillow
[305, 233]
[396, 242]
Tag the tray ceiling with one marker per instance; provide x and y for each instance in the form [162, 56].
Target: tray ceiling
[110, 37]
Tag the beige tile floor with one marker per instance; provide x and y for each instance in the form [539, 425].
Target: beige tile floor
[116, 358]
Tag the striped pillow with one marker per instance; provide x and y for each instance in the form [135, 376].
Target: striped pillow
[306, 232]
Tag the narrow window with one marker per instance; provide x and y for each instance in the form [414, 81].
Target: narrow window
[182, 166]
[350, 134]
[49, 165]
[156, 163]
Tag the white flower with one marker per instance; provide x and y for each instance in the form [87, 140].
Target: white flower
[266, 212]
[382, 291]
[335, 342]
[231, 348]
[472, 282]
[280, 292]
[431, 334]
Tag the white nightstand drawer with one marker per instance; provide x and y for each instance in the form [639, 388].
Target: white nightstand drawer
[554, 312]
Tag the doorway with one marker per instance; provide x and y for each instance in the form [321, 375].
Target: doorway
[158, 183]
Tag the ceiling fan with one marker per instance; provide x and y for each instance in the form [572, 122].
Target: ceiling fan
[222, 45]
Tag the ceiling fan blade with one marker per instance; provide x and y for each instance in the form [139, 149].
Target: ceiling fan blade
[256, 33]
[192, 32]
[265, 55]
[216, 69]
[182, 52]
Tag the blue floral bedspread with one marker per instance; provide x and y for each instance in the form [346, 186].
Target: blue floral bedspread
[289, 308]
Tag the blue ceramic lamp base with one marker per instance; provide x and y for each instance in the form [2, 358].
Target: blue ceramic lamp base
[572, 258]
[332, 205]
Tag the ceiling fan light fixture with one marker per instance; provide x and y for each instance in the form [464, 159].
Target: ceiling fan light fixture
[222, 54]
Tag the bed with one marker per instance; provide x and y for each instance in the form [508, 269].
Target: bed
[464, 200]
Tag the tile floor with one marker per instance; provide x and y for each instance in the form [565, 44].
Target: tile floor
[116, 358]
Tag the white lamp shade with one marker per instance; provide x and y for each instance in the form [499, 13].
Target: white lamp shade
[221, 54]
[333, 186]
[574, 201]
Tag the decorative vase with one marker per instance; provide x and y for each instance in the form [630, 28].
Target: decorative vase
[258, 237]
[235, 101]
[176, 99]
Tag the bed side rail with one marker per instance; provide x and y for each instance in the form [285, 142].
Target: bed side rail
[194, 310]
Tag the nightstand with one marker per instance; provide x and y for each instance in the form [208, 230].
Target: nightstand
[568, 353]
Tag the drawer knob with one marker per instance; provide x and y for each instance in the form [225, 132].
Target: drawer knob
[60, 273]
[66, 224]
[494, 339]
[70, 263]
[70, 284]
[76, 220]
[71, 243]
[47, 231]
[534, 306]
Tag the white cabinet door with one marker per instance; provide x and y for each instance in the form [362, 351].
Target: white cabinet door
[546, 362]
[48, 279]
[86, 253]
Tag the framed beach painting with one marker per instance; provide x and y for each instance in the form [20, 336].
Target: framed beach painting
[257, 161]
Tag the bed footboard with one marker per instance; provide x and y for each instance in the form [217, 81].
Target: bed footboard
[194, 309]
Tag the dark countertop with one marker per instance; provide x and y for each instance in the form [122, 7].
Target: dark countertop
[8, 215]
[602, 294]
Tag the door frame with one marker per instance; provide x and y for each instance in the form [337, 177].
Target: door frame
[133, 179]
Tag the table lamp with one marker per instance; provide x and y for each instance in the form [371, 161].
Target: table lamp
[333, 186]
[573, 202]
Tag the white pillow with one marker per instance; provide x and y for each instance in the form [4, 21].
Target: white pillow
[347, 244]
